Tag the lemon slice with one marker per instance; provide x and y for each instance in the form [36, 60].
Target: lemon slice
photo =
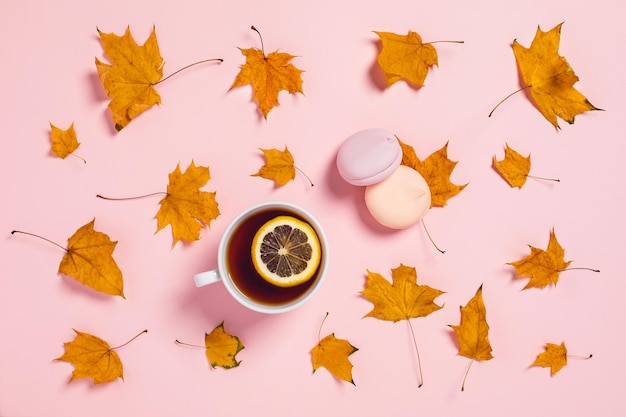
[286, 251]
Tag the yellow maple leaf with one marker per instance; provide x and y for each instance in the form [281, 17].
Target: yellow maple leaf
[542, 266]
[89, 260]
[185, 208]
[554, 357]
[514, 168]
[549, 77]
[473, 331]
[268, 75]
[403, 299]
[64, 142]
[222, 348]
[129, 81]
[93, 358]
[436, 170]
[279, 166]
[405, 57]
[332, 354]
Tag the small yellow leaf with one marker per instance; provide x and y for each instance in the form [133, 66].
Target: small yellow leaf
[185, 208]
[279, 166]
[129, 81]
[542, 266]
[222, 348]
[64, 142]
[332, 354]
[405, 57]
[514, 168]
[89, 260]
[554, 357]
[550, 78]
[92, 357]
[436, 170]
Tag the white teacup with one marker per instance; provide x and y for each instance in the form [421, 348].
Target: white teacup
[236, 271]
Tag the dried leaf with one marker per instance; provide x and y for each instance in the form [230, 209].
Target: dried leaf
[473, 332]
[549, 77]
[185, 208]
[89, 260]
[332, 354]
[554, 357]
[514, 168]
[436, 170]
[279, 166]
[401, 300]
[129, 81]
[92, 357]
[268, 75]
[542, 266]
[64, 142]
[222, 348]
[405, 57]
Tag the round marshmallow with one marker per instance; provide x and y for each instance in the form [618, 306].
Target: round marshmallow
[399, 201]
[368, 156]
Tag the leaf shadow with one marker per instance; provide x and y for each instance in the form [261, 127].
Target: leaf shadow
[75, 287]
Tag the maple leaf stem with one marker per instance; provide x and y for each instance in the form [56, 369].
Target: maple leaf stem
[430, 238]
[260, 37]
[40, 237]
[130, 198]
[505, 98]
[306, 176]
[586, 269]
[135, 337]
[543, 178]
[319, 332]
[178, 342]
[417, 352]
[187, 66]
[79, 157]
[466, 372]
[580, 357]
[446, 41]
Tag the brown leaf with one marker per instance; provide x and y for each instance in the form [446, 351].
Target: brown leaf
[279, 166]
[514, 168]
[473, 332]
[185, 208]
[554, 357]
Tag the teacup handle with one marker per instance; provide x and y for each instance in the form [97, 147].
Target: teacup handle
[206, 278]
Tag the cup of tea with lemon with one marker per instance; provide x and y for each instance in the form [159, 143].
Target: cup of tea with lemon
[272, 257]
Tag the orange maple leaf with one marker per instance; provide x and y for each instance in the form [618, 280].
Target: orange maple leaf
[93, 358]
[129, 81]
[542, 266]
[549, 77]
[554, 357]
[279, 166]
[222, 348]
[405, 57]
[436, 170]
[332, 353]
[403, 299]
[64, 142]
[268, 75]
[185, 208]
[473, 331]
[514, 168]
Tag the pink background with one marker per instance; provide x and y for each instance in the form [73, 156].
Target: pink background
[48, 75]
